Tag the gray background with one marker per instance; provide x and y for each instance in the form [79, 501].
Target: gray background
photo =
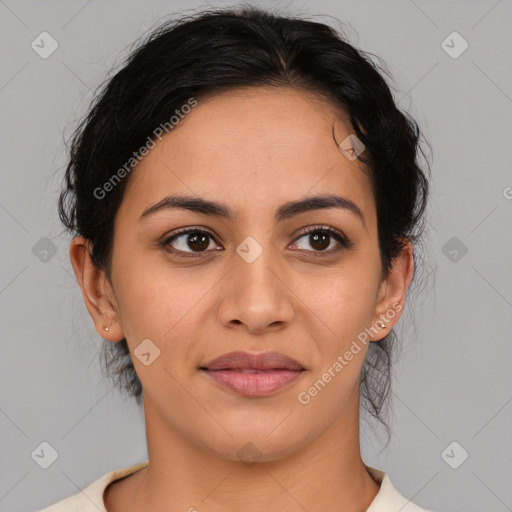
[453, 382]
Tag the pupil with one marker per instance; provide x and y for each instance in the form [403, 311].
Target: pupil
[198, 240]
[314, 237]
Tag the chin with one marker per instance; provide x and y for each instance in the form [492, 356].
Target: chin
[253, 447]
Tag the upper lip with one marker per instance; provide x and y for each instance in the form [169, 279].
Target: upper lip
[247, 361]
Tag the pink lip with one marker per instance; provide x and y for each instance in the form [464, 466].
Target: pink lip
[254, 375]
[261, 383]
[247, 361]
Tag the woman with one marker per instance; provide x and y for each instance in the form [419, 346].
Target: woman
[246, 198]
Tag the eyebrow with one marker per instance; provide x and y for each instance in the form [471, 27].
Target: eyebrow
[284, 212]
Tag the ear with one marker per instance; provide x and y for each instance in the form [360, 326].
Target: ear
[98, 295]
[393, 291]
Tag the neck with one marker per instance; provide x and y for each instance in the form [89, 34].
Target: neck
[325, 474]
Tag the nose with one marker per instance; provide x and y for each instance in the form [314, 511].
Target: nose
[256, 297]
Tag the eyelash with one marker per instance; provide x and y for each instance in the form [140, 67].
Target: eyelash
[337, 235]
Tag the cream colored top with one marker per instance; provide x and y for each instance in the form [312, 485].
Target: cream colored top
[388, 499]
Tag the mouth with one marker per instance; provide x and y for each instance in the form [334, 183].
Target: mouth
[258, 362]
[253, 375]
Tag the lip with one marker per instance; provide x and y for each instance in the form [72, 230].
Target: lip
[248, 361]
[254, 375]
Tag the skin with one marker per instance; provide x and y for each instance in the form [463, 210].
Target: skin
[252, 149]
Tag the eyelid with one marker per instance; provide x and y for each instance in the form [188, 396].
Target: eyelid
[167, 239]
[188, 229]
[342, 239]
[320, 227]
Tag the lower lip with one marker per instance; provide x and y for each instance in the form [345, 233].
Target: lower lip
[254, 384]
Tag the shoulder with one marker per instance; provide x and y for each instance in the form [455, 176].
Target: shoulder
[388, 498]
[90, 499]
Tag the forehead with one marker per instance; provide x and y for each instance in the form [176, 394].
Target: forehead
[262, 121]
[252, 147]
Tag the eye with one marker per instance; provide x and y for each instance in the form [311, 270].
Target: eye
[194, 242]
[320, 238]
[198, 240]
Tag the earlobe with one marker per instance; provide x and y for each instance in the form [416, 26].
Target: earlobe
[95, 290]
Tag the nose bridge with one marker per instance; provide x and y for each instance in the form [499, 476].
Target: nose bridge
[253, 263]
[256, 295]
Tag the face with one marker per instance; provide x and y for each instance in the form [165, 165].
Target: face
[249, 281]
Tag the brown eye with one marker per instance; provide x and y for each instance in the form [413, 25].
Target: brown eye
[196, 241]
[189, 241]
[320, 239]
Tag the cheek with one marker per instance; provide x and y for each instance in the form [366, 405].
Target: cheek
[345, 299]
[158, 302]
[345, 304]
[164, 310]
